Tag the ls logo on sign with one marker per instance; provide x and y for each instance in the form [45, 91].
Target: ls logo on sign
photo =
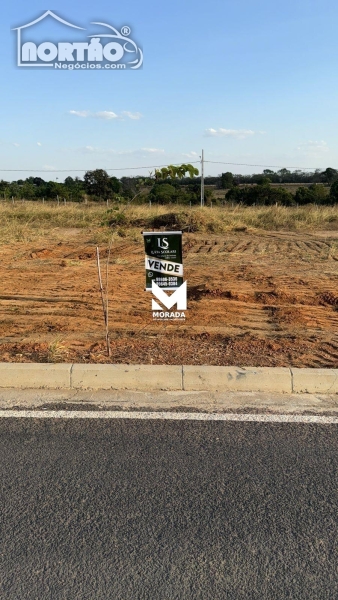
[163, 243]
[179, 297]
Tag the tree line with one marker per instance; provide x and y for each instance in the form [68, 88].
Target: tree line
[265, 194]
[172, 185]
[327, 176]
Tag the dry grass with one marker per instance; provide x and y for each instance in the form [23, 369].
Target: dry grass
[31, 220]
[56, 351]
[26, 221]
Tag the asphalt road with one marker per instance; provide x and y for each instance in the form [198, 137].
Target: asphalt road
[130, 510]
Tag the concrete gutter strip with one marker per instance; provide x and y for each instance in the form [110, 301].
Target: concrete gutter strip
[131, 400]
[168, 377]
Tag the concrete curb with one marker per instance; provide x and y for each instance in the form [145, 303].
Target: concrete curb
[35, 375]
[236, 379]
[126, 377]
[163, 377]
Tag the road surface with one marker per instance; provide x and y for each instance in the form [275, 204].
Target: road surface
[152, 510]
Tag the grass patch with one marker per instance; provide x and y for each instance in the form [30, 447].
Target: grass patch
[26, 222]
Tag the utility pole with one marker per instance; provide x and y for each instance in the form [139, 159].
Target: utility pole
[202, 178]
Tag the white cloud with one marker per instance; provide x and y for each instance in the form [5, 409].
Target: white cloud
[80, 113]
[38, 144]
[16, 145]
[95, 150]
[137, 152]
[152, 150]
[239, 134]
[48, 168]
[107, 115]
[191, 154]
[313, 148]
[131, 115]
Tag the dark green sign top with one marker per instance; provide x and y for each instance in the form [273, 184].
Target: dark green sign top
[163, 260]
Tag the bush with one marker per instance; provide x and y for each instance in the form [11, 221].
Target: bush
[171, 220]
[334, 193]
[314, 194]
[262, 195]
[163, 193]
[118, 218]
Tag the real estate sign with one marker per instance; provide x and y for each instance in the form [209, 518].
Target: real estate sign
[163, 260]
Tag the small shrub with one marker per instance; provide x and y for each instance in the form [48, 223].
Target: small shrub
[170, 219]
[119, 218]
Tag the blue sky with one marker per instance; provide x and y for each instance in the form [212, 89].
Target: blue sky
[250, 82]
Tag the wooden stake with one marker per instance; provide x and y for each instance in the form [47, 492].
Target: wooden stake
[105, 315]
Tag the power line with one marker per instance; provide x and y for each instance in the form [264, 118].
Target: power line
[215, 162]
[154, 167]
[82, 170]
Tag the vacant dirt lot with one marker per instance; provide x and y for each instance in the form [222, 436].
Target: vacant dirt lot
[262, 299]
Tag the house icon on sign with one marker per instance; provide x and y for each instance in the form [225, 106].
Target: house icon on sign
[48, 13]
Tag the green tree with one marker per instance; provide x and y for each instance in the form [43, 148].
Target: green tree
[227, 181]
[4, 185]
[14, 190]
[263, 195]
[69, 182]
[334, 193]
[329, 175]
[97, 183]
[129, 186]
[163, 193]
[261, 179]
[28, 191]
[115, 185]
[284, 175]
[314, 194]
[51, 189]
[74, 189]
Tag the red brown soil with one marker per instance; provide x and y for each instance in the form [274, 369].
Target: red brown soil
[255, 299]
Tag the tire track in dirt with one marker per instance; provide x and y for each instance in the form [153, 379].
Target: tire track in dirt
[267, 299]
[300, 297]
[266, 243]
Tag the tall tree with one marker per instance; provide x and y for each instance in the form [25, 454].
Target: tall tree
[227, 181]
[97, 183]
[329, 175]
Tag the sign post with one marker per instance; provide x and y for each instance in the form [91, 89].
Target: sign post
[163, 259]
